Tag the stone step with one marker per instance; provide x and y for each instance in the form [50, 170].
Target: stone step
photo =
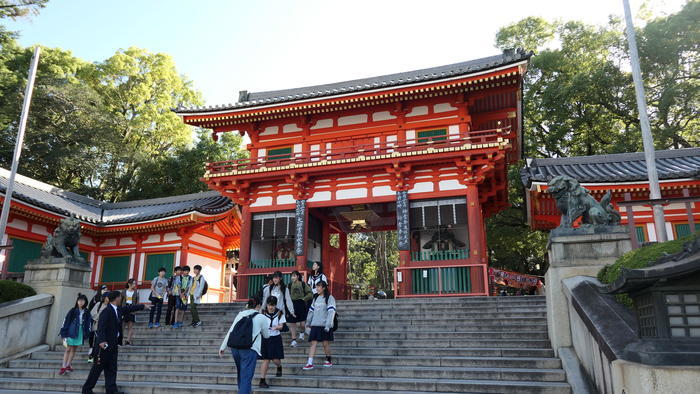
[346, 326]
[190, 333]
[375, 315]
[304, 385]
[292, 370]
[442, 308]
[353, 349]
[346, 359]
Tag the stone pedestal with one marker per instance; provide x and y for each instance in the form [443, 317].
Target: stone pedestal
[62, 280]
[573, 254]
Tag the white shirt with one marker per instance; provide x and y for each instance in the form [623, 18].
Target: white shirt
[129, 297]
[116, 311]
[260, 327]
[313, 281]
[275, 321]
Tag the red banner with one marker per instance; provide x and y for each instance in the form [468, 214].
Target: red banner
[513, 279]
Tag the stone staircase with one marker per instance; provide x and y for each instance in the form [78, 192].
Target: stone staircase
[465, 345]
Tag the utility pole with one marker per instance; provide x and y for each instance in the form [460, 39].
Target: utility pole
[649, 152]
[15, 157]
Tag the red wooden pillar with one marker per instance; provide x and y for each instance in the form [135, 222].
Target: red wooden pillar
[244, 255]
[327, 257]
[477, 238]
[138, 238]
[342, 273]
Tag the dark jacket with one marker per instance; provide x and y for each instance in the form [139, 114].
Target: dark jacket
[71, 323]
[109, 326]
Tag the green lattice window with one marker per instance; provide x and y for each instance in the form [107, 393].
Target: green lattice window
[455, 280]
[432, 135]
[157, 260]
[22, 251]
[641, 234]
[682, 230]
[279, 153]
[115, 269]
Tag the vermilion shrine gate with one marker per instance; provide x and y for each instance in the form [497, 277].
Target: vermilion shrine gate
[424, 153]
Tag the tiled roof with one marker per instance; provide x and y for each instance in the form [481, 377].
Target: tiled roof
[87, 209]
[255, 99]
[621, 167]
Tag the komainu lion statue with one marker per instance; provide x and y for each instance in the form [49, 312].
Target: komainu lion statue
[575, 201]
[64, 242]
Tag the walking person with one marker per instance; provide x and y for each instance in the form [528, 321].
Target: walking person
[98, 297]
[183, 290]
[280, 291]
[130, 297]
[271, 348]
[95, 315]
[316, 276]
[301, 296]
[198, 289]
[173, 283]
[319, 324]
[159, 286]
[244, 339]
[76, 327]
[109, 330]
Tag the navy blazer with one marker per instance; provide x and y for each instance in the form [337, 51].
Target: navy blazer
[71, 324]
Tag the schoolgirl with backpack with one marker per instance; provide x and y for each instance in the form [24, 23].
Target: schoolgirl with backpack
[281, 291]
[272, 348]
[321, 322]
[244, 340]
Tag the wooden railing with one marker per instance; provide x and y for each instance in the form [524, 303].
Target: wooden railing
[335, 155]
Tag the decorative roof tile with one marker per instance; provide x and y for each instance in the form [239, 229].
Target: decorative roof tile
[97, 212]
[620, 167]
[252, 99]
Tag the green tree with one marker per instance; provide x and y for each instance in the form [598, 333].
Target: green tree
[139, 89]
[14, 9]
[180, 173]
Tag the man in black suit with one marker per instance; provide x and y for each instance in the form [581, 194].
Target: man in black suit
[109, 331]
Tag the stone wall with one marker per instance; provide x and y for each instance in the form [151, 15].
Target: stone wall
[23, 324]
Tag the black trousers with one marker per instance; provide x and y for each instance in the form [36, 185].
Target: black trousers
[170, 312]
[108, 363]
[156, 309]
[91, 342]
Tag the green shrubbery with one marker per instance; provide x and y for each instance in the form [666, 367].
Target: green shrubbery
[640, 258]
[10, 291]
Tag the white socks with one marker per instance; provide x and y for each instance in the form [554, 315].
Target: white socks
[310, 361]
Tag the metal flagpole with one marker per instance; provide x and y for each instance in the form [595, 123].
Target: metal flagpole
[18, 151]
[649, 153]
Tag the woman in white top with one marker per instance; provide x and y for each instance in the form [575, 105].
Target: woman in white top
[130, 296]
[316, 277]
[281, 292]
[272, 348]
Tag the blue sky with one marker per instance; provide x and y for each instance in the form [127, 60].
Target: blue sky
[226, 46]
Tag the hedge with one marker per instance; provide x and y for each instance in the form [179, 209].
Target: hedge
[11, 290]
[640, 258]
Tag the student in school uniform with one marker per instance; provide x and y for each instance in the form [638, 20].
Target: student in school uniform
[319, 324]
[271, 348]
[316, 276]
[130, 297]
[183, 289]
[173, 294]
[95, 314]
[75, 329]
[159, 286]
[301, 296]
[281, 292]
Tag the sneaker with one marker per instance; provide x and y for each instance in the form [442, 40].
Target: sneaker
[294, 344]
[150, 325]
[156, 325]
[127, 343]
[301, 336]
[90, 360]
[328, 363]
[263, 384]
[308, 367]
[62, 371]
[279, 372]
[69, 369]
[197, 324]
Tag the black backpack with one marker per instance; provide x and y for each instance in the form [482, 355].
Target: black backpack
[206, 286]
[241, 337]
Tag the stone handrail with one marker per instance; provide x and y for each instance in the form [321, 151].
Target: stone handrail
[23, 323]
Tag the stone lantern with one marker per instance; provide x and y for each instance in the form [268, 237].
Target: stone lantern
[666, 299]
